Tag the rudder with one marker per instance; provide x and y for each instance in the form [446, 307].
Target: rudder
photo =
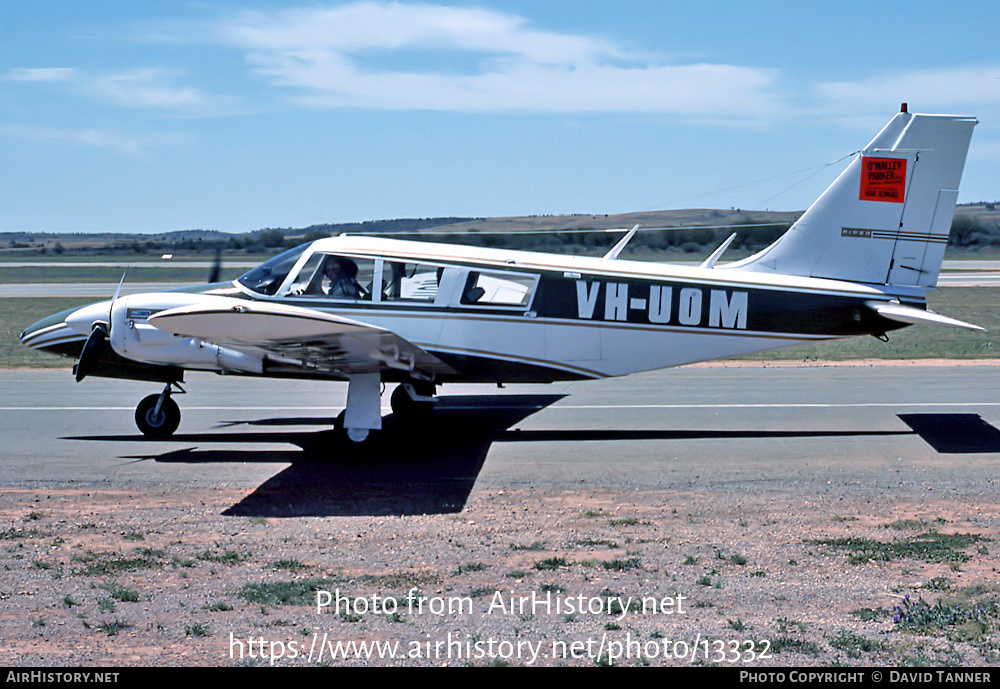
[886, 219]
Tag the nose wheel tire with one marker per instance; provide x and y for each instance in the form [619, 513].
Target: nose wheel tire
[155, 424]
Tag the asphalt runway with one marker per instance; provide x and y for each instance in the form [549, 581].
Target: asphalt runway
[872, 431]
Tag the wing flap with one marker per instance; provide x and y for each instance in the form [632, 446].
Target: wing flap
[316, 339]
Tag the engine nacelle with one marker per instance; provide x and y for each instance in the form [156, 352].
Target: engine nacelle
[134, 338]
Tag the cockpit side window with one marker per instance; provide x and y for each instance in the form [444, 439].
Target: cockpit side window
[331, 276]
[268, 276]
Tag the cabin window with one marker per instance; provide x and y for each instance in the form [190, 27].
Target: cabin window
[498, 288]
[412, 282]
[329, 276]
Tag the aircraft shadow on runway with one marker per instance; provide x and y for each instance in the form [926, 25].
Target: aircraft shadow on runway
[425, 469]
[432, 468]
[954, 433]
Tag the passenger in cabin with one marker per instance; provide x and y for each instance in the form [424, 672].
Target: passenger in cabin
[472, 292]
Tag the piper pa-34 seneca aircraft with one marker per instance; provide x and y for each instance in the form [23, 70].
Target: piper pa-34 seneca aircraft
[371, 311]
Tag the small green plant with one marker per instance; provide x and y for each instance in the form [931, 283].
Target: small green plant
[930, 546]
[624, 521]
[785, 625]
[550, 563]
[121, 593]
[470, 567]
[220, 606]
[297, 592]
[622, 565]
[854, 644]
[938, 584]
[196, 629]
[794, 645]
[112, 628]
[593, 543]
[966, 617]
[536, 545]
[290, 565]
[227, 557]
[105, 564]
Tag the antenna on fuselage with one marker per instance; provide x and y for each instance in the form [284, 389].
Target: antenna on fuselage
[617, 248]
[710, 261]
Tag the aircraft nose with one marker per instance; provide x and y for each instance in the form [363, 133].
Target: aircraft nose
[54, 334]
[30, 332]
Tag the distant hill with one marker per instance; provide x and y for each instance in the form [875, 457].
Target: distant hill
[688, 231]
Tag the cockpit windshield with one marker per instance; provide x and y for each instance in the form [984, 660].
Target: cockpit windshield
[268, 276]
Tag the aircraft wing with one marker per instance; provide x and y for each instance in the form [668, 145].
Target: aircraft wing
[317, 340]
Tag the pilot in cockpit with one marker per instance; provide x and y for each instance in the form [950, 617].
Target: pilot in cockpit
[340, 282]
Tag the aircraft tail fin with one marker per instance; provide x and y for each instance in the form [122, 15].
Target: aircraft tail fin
[886, 218]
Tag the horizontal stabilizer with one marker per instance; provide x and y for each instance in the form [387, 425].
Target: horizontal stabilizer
[895, 311]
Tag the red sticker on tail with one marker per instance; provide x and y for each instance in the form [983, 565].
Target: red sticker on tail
[883, 179]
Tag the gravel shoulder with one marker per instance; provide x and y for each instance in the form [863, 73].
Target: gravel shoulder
[101, 576]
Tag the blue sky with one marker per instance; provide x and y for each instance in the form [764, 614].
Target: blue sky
[157, 116]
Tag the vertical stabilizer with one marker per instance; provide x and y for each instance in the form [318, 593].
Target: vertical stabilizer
[886, 218]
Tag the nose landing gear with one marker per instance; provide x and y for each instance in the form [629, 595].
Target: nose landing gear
[158, 416]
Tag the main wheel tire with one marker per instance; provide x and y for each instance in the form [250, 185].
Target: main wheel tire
[408, 410]
[160, 425]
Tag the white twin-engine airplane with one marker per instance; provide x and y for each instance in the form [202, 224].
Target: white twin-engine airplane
[373, 311]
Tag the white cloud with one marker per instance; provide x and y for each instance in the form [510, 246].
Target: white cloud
[41, 74]
[149, 88]
[955, 90]
[145, 88]
[89, 138]
[357, 55]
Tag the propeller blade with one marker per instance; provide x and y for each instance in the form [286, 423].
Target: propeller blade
[117, 292]
[216, 271]
[90, 350]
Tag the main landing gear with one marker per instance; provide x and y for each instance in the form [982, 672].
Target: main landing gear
[412, 403]
[158, 416]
